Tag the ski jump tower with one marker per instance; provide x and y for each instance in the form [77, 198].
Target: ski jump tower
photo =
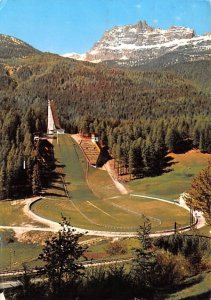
[53, 119]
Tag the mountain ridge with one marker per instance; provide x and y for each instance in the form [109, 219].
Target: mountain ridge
[141, 44]
[12, 47]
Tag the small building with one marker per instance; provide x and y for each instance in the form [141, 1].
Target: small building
[94, 138]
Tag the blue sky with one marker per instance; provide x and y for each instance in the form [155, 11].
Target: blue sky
[62, 26]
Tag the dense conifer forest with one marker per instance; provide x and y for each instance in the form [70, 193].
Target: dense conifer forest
[140, 115]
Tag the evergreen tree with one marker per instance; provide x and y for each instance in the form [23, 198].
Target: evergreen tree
[3, 181]
[36, 184]
[199, 195]
[202, 142]
[145, 257]
[104, 139]
[60, 256]
[10, 182]
[151, 167]
[196, 136]
[172, 138]
[131, 162]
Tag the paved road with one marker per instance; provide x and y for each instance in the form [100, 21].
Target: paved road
[14, 283]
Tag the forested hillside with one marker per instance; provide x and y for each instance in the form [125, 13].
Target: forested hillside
[197, 71]
[13, 47]
[141, 115]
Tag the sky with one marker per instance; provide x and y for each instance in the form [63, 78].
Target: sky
[64, 26]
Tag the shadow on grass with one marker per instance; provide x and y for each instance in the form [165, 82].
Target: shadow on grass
[56, 175]
[203, 296]
[165, 166]
[58, 165]
[188, 283]
[56, 187]
[183, 146]
[51, 194]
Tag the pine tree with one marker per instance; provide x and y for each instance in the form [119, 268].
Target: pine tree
[202, 142]
[36, 184]
[131, 161]
[60, 256]
[172, 138]
[10, 171]
[104, 139]
[199, 195]
[145, 257]
[3, 181]
[149, 154]
[196, 136]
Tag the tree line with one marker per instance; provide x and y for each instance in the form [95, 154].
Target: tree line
[140, 147]
[159, 265]
[22, 167]
[140, 115]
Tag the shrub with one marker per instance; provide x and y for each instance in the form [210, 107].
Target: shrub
[116, 248]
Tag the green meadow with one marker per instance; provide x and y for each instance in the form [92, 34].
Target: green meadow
[95, 202]
[12, 214]
[171, 184]
[14, 254]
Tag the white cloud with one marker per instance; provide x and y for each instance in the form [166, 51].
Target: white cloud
[138, 6]
[155, 21]
[2, 3]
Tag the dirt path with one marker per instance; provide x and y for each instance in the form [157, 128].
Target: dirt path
[181, 203]
[114, 178]
[19, 230]
[122, 189]
[197, 214]
[54, 226]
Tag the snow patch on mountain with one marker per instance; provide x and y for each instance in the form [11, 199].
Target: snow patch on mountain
[144, 43]
[74, 55]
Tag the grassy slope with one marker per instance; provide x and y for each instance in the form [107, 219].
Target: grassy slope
[171, 185]
[199, 290]
[15, 254]
[11, 214]
[100, 182]
[87, 210]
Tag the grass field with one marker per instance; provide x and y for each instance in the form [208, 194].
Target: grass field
[201, 289]
[170, 185]
[13, 254]
[11, 214]
[91, 205]
[101, 184]
[98, 251]
[95, 202]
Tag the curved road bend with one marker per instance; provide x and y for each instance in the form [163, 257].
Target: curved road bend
[54, 226]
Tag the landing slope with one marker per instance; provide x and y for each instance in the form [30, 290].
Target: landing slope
[102, 207]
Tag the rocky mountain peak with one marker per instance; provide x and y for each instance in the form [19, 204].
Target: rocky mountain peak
[142, 43]
[123, 42]
[142, 25]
